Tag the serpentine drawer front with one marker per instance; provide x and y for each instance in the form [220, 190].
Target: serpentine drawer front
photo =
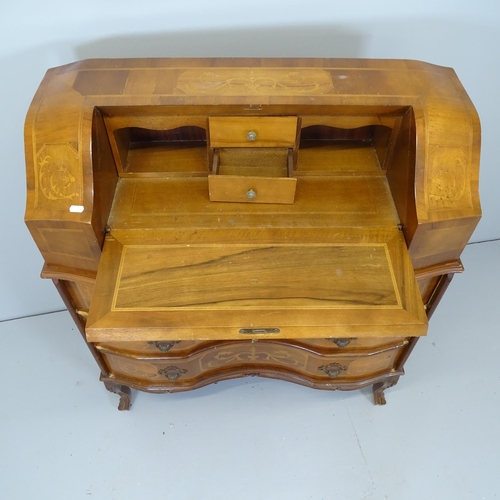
[206, 219]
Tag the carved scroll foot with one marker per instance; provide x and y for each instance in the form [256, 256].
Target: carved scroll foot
[122, 390]
[378, 390]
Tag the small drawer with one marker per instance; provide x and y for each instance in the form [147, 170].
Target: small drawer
[250, 189]
[253, 131]
[252, 177]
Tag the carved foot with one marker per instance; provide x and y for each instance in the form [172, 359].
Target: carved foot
[378, 390]
[122, 390]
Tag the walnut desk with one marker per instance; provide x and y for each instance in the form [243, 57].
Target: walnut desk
[205, 219]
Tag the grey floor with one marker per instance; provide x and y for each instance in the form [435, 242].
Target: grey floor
[61, 436]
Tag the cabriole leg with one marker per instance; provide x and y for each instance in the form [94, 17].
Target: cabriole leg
[378, 390]
[122, 390]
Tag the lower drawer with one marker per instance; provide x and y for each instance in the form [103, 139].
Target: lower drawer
[233, 359]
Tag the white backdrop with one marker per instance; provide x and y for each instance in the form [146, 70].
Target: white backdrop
[35, 36]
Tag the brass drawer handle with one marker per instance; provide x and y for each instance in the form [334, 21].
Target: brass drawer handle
[342, 342]
[163, 346]
[333, 370]
[172, 372]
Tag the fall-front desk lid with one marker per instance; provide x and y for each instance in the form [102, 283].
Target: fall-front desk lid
[361, 286]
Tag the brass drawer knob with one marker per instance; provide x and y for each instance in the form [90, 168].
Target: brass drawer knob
[251, 194]
[252, 136]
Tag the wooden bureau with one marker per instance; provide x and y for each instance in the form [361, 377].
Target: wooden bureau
[206, 219]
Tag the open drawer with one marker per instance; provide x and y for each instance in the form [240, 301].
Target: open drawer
[361, 286]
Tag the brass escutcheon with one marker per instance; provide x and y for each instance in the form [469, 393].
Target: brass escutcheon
[257, 331]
